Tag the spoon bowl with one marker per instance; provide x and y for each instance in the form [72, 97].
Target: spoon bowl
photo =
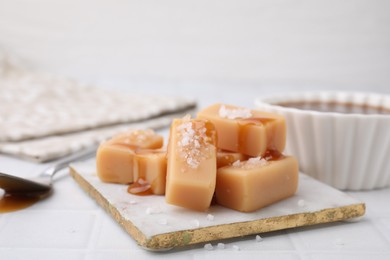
[43, 182]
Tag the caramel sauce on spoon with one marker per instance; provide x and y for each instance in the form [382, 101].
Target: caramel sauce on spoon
[14, 201]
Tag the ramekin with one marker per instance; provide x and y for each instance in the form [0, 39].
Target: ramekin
[346, 151]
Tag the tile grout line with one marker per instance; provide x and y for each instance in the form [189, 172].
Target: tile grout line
[297, 243]
[380, 227]
[94, 235]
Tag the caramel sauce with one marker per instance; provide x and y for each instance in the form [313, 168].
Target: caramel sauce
[244, 127]
[141, 175]
[138, 185]
[16, 201]
[273, 155]
[141, 163]
[338, 107]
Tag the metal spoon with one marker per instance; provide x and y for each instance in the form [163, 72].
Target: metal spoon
[43, 182]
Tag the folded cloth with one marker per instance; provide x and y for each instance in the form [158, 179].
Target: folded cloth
[44, 117]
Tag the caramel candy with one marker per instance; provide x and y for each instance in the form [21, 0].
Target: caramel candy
[114, 158]
[225, 158]
[191, 172]
[149, 170]
[138, 139]
[250, 132]
[250, 185]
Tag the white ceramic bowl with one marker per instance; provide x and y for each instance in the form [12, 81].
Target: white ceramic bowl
[346, 150]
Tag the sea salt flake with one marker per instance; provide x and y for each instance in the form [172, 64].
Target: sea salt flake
[255, 162]
[197, 144]
[150, 210]
[234, 113]
[195, 223]
[185, 141]
[208, 247]
[258, 238]
[237, 163]
[210, 217]
[301, 203]
[221, 246]
[236, 248]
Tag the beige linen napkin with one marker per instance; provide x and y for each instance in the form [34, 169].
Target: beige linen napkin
[43, 117]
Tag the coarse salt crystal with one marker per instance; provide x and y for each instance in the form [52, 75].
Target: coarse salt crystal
[301, 203]
[150, 211]
[251, 163]
[195, 223]
[254, 162]
[236, 248]
[234, 113]
[210, 217]
[192, 136]
[258, 238]
[237, 163]
[208, 246]
[221, 246]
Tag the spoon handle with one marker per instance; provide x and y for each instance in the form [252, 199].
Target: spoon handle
[64, 162]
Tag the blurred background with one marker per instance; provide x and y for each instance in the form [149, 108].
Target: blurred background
[169, 47]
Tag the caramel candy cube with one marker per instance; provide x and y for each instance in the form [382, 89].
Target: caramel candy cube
[114, 163]
[250, 132]
[191, 173]
[150, 171]
[251, 185]
[225, 158]
[114, 158]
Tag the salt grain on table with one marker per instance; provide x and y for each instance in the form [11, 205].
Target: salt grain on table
[221, 246]
[208, 246]
[236, 248]
[301, 203]
[210, 217]
[195, 223]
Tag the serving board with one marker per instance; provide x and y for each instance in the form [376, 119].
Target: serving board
[156, 225]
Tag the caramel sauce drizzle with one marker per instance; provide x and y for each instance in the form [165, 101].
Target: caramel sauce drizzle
[17, 201]
[136, 185]
[273, 155]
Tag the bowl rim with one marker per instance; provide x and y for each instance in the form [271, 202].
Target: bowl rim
[271, 101]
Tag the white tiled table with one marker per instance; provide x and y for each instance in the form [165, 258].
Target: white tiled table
[70, 225]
